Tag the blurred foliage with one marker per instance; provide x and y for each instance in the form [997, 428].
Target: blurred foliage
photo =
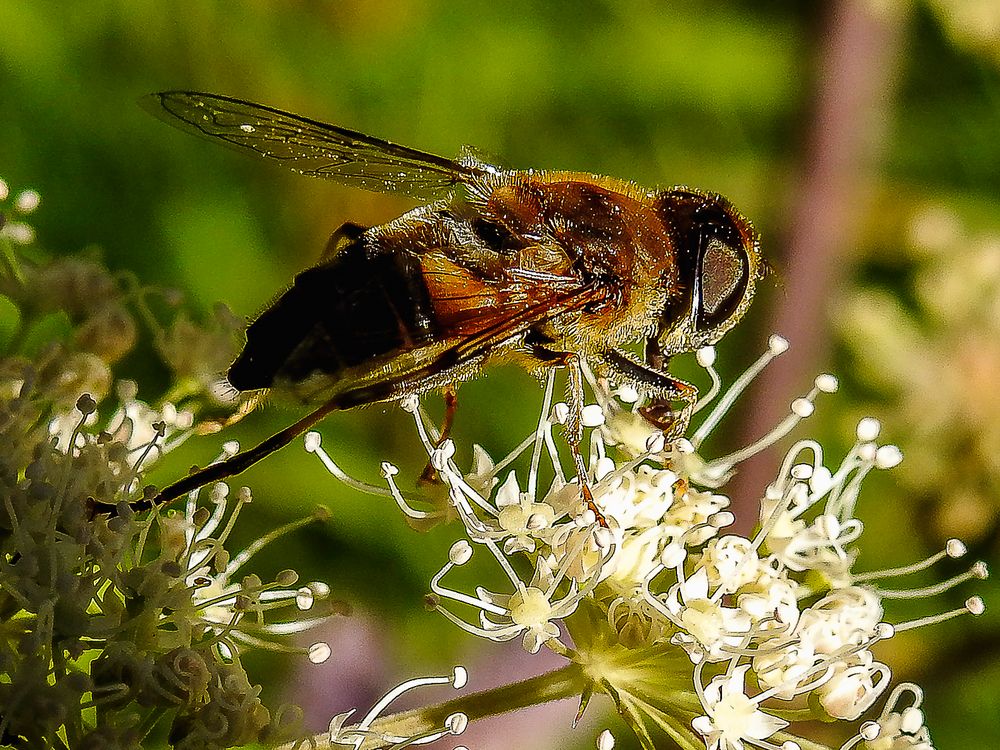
[713, 94]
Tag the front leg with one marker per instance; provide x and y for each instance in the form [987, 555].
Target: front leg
[665, 390]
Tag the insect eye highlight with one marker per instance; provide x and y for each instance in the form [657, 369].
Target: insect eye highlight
[724, 277]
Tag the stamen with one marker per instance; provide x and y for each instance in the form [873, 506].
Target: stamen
[313, 444]
[457, 679]
[705, 357]
[455, 724]
[539, 437]
[159, 430]
[388, 473]
[801, 409]
[422, 429]
[514, 454]
[219, 492]
[954, 548]
[458, 596]
[550, 446]
[973, 606]
[775, 346]
[258, 544]
[978, 570]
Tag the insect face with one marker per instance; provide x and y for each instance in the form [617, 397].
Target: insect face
[718, 257]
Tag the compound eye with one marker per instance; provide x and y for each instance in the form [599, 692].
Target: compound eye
[725, 273]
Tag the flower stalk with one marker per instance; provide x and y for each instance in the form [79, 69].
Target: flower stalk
[566, 682]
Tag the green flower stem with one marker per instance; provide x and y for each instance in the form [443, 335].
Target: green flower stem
[561, 683]
[11, 266]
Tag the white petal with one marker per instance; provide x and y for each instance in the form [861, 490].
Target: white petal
[696, 586]
[737, 680]
[509, 493]
[713, 691]
[761, 726]
[702, 725]
[482, 464]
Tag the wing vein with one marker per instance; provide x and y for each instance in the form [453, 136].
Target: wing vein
[311, 147]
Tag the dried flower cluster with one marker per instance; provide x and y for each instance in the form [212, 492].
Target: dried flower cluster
[706, 637]
[115, 625]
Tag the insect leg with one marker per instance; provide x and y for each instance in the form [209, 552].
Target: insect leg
[450, 407]
[574, 422]
[239, 463]
[429, 473]
[388, 390]
[664, 389]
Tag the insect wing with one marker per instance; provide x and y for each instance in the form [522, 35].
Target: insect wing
[311, 147]
[480, 319]
[426, 363]
[465, 303]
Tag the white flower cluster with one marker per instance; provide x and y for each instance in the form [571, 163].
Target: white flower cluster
[783, 605]
[232, 607]
[215, 599]
[145, 431]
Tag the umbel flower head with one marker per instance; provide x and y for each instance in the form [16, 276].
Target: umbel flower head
[118, 627]
[698, 634]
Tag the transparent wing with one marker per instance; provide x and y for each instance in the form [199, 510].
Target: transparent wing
[310, 147]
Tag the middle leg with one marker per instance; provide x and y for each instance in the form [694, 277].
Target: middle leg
[574, 421]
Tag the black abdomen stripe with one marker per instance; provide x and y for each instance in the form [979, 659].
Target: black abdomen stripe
[338, 315]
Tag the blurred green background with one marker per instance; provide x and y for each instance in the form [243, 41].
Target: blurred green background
[862, 138]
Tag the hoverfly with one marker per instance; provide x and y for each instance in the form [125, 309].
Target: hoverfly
[536, 267]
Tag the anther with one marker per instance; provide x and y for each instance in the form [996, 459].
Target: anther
[777, 344]
[319, 652]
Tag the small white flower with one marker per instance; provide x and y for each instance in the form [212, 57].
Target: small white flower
[782, 666]
[854, 686]
[637, 498]
[636, 557]
[731, 562]
[840, 619]
[532, 611]
[524, 521]
[770, 595]
[732, 717]
[689, 516]
[707, 625]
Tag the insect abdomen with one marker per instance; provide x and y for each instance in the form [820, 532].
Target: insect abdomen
[343, 313]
